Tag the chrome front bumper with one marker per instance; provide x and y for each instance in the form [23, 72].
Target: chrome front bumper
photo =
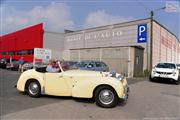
[126, 92]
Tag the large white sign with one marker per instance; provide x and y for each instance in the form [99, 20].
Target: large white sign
[42, 55]
[94, 35]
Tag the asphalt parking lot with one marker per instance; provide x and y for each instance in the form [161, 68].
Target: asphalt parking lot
[148, 101]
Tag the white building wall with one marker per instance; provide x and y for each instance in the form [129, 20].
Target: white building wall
[123, 34]
[119, 59]
[165, 45]
[55, 42]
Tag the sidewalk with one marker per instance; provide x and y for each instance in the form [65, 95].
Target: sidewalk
[136, 80]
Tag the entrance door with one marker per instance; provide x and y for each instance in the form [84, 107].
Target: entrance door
[138, 62]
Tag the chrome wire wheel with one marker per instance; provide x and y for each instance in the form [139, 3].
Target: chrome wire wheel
[106, 96]
[33, 88]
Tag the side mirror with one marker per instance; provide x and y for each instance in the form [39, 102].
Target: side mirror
[154, 66]
[178, 68]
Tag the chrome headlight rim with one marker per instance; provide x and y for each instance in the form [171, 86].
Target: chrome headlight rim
[120, 77]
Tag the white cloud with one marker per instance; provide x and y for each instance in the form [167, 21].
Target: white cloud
[100, 18]
[56, 17]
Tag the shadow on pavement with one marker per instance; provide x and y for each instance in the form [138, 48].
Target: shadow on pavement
[163, 81]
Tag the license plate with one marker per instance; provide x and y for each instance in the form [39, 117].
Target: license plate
[164, 76]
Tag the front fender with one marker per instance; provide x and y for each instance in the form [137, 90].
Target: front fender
[85, 88]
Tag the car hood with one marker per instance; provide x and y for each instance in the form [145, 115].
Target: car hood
[83, 73]
[90, 73]
[164, 70]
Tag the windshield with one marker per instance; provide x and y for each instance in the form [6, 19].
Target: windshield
[70, 63]
[81, 64]
[166, 65]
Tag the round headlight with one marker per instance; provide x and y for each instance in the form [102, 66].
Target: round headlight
[120, 77]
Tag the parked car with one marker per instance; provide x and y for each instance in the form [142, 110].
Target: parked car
[27, 66]
[5, 61]
[105, 87]
[14, 65]
[69, 64]
[165, 71]
[178, 66]
[92, 65]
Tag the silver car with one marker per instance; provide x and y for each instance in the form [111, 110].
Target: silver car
[92, 65]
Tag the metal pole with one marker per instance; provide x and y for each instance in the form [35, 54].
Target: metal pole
[151, 39]
[151, 36]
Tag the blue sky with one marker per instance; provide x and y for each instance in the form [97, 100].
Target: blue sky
[79, 14]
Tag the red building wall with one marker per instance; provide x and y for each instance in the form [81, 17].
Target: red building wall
[22, 40]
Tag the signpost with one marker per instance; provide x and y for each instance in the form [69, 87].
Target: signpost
[142, 33]
[41, 55]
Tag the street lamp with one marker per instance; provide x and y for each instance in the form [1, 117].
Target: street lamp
[151, 34]
[152, 11]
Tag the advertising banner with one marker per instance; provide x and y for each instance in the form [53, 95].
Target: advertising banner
[41, 55]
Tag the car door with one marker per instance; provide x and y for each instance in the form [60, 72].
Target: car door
[57, 84]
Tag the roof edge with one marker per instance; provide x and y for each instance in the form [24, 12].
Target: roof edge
[166, 29]
[109, 25]
[22, 29]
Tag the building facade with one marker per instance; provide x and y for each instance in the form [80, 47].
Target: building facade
[120, 46]
[22, 43]
[128, 48]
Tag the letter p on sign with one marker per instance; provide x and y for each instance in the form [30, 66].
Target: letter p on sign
[142, 33]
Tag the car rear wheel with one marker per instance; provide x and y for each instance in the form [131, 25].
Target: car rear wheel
[106, 97]
[34, 88]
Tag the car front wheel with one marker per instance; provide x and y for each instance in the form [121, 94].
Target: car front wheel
[106, 97]
[34, 89]
[177, 82]
[151, 79]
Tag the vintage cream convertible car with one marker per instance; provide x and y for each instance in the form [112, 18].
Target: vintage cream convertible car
[107, 88]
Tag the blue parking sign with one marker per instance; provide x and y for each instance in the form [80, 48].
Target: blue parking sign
[142, 33]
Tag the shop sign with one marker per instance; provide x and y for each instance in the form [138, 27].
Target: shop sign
[94, 36]
[42, 55]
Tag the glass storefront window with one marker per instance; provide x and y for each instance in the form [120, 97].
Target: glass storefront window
[19, 52]
[30, 52]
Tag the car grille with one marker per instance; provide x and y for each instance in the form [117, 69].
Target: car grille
[165, 73]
